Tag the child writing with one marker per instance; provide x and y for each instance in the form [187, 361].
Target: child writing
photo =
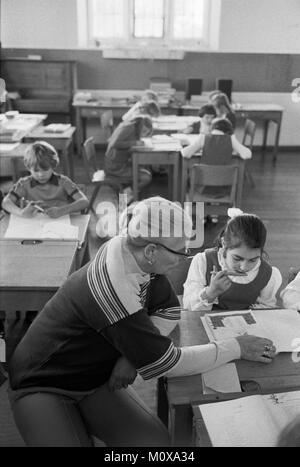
[291, 294]
[223, 108]
[207, 113]
[234, 275]
[217, 142]
[43, 190]
[147, 104]
[118, 154]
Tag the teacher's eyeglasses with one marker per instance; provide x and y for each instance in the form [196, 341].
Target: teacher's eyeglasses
[186, 251]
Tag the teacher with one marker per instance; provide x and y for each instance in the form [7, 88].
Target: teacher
[69, 375]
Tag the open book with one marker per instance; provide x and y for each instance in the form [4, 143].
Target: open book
[251, 421]
[41, 227]
[281, 326]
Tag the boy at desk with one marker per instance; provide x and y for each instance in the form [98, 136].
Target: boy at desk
[43, 190]
[220, 140]
[207, 114]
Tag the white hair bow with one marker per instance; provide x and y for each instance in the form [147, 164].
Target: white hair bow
[234, 212]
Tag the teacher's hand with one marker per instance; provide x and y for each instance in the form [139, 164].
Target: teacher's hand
[256, 349]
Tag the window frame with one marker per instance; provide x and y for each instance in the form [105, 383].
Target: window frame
[128, 41]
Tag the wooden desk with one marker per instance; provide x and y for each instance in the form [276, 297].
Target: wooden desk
[168, 124]
[30, 274]
[143, 155]
[187, 164]
[22, 123]
[87, 110]
[82, 249]
[62, 142]
[180, 393]
[255, 111]
[15, 154]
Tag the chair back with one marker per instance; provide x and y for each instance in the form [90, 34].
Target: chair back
[249, 133]
[217, 150]
[214, 176]
[89, 157]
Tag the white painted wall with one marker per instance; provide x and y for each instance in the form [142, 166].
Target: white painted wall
[260, 26]
[39, 23]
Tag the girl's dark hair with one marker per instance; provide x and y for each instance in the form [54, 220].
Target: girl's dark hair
[207, 109]
[140, 122]
[222, 99]
[247, 229]
[222, 124]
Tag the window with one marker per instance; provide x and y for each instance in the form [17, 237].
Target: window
[159, 23]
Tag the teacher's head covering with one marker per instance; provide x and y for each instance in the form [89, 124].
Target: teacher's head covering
[158, 220]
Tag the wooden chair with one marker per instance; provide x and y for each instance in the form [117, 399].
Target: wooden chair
[248, 138]
[96, 177]
[215, 185]
[106, 125]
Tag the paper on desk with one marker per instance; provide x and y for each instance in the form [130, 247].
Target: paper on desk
[6, 147]
[2, 350]
[280, 326]
[41, 227]
[222, 379]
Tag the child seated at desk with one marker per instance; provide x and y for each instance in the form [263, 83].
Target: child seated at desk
[223, 108]
[220, 140]
[234, 275]
[291, 294]
[148, 104]
[118, 154]
[43, 190]
[207, 113]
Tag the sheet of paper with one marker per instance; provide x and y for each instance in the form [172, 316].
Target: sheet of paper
[6, 147]
[222, 379]
[281, 326]
[244, 422]
[2, 350]
[41, 227]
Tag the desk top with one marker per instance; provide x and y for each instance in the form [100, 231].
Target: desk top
[79, 220]
[41, 132]
[44, 265]
[281, 373]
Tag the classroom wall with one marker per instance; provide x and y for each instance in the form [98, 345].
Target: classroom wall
[250, 72]
[260, 26]
[39, 23]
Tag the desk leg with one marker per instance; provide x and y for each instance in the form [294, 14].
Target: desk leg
[265, 137]
[175, 177]
[65, 161]
[240, 182]
[181, 424]
[135, 176]
[184, 178]
[162, 400]
[278, 123]
[79, 138]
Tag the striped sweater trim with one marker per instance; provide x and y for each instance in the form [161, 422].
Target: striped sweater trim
[103, 290]
[161, 366]
[172, 313]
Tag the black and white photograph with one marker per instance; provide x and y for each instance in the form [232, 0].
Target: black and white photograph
[150, 226]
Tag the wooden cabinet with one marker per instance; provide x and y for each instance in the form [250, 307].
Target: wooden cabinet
[44, 86]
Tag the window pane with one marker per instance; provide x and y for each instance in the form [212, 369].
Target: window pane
[148, 18]
[188, 19]
[108, 18]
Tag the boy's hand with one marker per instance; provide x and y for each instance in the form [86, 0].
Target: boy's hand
[219, 283]
[55, 212]
[29, 210]
[123, 374]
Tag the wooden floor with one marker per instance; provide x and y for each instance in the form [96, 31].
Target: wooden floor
[275, 198]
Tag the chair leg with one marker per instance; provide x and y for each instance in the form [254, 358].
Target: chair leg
[249, 178]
